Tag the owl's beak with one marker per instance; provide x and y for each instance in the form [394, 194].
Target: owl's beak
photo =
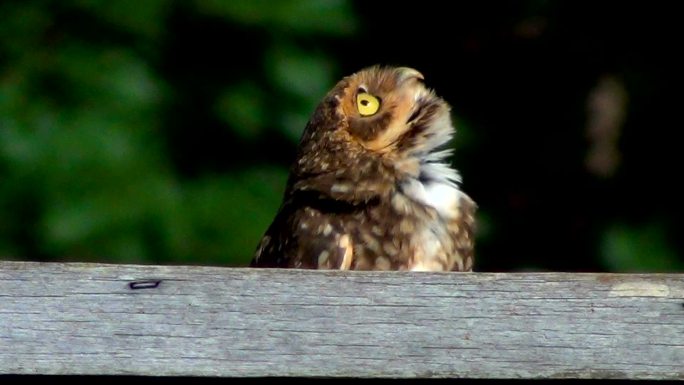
[407, 73]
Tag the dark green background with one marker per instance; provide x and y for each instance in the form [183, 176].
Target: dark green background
[160, 131]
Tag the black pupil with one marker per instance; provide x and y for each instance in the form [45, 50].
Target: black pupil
[364, 103]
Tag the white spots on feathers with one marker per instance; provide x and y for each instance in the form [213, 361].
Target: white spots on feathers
[323, 259]
[340, 188]
[346, 245]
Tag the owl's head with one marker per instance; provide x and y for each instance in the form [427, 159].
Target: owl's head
[379, 117]
[389, 110]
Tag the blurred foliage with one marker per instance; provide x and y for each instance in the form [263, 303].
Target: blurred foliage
[86, 168]
[160, 131]
[624, 247]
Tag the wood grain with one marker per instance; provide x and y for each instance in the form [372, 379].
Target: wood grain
[239, 322]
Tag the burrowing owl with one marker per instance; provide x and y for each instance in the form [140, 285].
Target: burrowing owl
[371, 188]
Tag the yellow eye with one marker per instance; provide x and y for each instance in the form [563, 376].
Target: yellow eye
[367, 104]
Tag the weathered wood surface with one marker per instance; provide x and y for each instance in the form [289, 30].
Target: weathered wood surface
[209, 321]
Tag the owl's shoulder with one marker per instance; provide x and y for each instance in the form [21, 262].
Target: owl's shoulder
[308, 232]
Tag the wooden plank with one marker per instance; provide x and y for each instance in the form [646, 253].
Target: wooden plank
[210, 321]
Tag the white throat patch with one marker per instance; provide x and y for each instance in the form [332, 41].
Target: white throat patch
[439, 190]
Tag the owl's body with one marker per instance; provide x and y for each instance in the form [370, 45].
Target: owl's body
[371, 189]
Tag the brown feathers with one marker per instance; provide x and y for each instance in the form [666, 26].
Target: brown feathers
[371, 188]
